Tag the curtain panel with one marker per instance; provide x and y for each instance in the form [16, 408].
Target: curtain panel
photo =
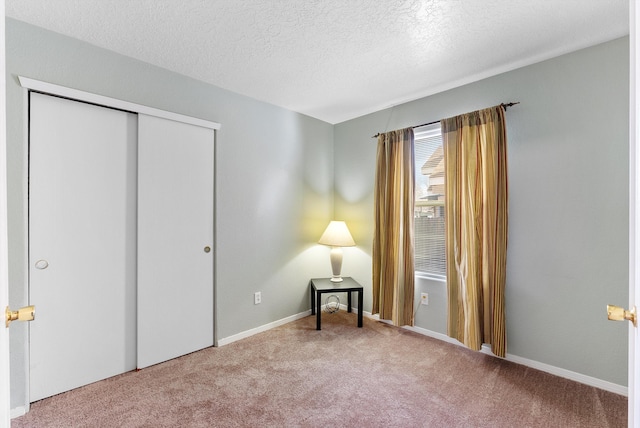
[475, 153]
[393, 262]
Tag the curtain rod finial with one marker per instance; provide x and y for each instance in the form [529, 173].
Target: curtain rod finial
[505, 105]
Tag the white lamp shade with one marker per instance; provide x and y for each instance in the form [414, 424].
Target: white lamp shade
[337, 235]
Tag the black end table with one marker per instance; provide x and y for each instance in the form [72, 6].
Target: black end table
[324, 285]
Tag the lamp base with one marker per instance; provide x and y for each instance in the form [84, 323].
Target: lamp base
[336, 264]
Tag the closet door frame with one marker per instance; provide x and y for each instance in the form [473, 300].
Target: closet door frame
[28, 85]
[78, 95]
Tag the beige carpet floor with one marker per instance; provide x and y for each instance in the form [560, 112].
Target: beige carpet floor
[295, 376]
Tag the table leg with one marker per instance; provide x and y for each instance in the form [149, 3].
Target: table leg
[313, 301]
[318, 301]
[349, 301]
[360, 308]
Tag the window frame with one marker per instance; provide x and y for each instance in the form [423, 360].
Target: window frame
[424, 132]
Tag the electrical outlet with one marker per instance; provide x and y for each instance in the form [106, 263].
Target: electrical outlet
[257, 298]
[424, 298]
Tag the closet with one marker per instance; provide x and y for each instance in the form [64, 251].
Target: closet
[121, 233]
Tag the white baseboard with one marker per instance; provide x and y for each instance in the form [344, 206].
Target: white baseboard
[486, 349]
[557, 371]
[249, 333]
[283, 321]
[18, 411]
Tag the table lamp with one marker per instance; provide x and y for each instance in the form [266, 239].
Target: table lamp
[336, 235]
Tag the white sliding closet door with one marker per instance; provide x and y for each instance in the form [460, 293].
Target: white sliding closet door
[82, 243]
[175, 239]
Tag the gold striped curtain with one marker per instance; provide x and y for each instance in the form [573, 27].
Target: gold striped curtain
[393, 264]
[475, 153]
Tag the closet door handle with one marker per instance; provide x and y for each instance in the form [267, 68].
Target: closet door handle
[207, 249]
[42, 264]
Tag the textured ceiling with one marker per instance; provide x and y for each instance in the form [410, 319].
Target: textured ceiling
[333, 59]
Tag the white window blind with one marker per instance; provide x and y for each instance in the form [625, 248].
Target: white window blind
[429, 202]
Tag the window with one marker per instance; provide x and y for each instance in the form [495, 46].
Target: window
[429, 229]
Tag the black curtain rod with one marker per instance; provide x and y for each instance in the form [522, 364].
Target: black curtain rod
[505, 105]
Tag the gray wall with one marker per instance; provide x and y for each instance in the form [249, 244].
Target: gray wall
[274, 179]
[568, 206]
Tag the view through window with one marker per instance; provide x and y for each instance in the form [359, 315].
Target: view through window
[429, 229]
